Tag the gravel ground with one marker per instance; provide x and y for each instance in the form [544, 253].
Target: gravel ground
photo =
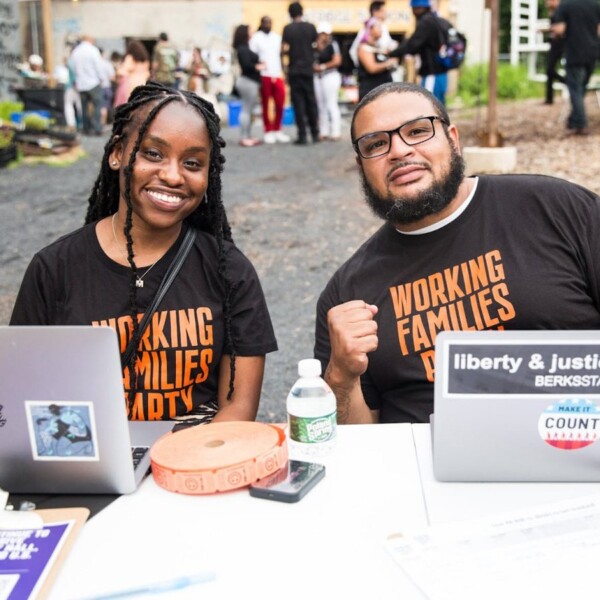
[539, 134]
[296, 212]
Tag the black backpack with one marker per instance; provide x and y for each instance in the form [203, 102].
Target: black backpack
[453, 45]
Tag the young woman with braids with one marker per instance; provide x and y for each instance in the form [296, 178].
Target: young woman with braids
[203, 352]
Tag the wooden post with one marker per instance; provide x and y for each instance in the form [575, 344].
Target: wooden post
[493, 140]
[48, 45]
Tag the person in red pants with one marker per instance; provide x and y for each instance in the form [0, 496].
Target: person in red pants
[267, 44]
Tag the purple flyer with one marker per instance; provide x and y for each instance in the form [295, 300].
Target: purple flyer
[26, 557]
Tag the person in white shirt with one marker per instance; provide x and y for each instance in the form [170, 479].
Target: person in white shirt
[72, 102]
[385, 42]
[267, 44]
[327, 81]
[88, 69]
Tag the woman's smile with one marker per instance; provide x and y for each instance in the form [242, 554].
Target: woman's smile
[167, 199]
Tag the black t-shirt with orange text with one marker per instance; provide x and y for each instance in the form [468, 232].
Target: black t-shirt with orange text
[73, 282]
[525, 254]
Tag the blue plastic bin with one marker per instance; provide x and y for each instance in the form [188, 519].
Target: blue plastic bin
[17, 117]
[288, 115]
[235, 108]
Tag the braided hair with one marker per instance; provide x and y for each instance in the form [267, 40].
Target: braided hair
[209, 216]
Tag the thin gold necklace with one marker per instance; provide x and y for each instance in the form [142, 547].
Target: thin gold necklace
[139, 279]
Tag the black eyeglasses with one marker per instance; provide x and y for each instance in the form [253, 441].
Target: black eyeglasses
[412, 133]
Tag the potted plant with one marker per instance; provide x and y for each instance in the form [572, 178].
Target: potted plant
[36, 125]
[8, 146]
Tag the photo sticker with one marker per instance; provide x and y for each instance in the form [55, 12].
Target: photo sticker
[570, 424]
[62, 430]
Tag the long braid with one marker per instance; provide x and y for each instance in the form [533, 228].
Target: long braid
[128, 170]
[210, 216]
[215, 221]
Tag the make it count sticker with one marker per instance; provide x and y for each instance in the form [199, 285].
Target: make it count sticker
[570, 424]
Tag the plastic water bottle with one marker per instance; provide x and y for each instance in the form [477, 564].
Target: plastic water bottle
[312, 413]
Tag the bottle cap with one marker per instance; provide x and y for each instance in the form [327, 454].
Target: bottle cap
[309, 367]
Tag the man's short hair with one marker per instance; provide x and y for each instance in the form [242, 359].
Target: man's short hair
[375, 6]
[163, 37]
[399, 88]
[295, 9]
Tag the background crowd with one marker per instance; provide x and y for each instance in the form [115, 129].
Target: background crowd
[265, 69]
[301, 67]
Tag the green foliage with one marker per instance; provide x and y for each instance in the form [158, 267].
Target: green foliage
[512, 84]
[7, 108]
[35, 122]
[6, 137]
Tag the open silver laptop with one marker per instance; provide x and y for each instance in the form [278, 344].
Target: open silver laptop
[63, 423]
[517, 406]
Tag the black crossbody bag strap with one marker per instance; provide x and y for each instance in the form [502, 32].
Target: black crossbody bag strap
[167, 280]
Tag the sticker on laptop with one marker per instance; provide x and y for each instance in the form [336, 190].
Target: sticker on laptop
[62, 430]
[570, 424]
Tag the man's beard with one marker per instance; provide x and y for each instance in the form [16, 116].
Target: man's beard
[401, 211]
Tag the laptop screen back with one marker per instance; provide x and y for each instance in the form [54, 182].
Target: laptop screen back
[63, 423]
[517, 406]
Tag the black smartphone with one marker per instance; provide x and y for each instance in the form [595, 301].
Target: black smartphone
[291, 483]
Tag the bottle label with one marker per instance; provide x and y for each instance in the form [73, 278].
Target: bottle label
[312, 430]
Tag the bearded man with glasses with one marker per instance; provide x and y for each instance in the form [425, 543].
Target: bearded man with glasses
[455, 252]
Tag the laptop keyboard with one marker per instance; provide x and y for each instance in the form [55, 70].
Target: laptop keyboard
[137, 453]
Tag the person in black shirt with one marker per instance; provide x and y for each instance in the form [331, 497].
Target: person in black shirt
[327, 81]
[579, 22]
[555, 52]
[247, 84]
[298, 39]
[425, 42]
[374, 67]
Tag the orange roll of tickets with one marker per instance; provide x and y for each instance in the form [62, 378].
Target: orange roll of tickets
[217, 457]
